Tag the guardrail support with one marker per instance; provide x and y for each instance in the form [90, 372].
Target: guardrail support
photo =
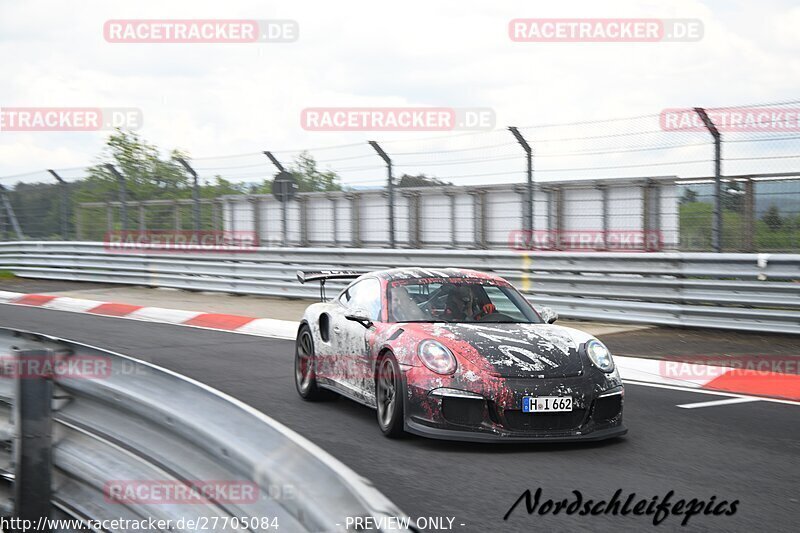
[389, 188]
[527, 222]
[33, 459]
[716, 224]
[123, 196]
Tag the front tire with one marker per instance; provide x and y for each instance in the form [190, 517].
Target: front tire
[389, 393]
[304, 376]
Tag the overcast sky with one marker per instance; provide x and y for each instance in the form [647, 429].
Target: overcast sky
[219, 99]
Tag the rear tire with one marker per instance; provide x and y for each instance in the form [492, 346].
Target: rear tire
[305, 379]
[389, 394]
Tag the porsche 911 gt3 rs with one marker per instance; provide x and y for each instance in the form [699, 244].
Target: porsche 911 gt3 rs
[455, 354]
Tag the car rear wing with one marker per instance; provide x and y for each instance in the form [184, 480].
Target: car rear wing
[322, 276]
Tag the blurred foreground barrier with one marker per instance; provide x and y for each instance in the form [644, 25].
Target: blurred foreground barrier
[126, 440]
[752, 292]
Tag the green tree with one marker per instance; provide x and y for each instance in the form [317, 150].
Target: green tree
[689, 196]
[147, 175]
[420, 180]
[309, 177]
[772, 218]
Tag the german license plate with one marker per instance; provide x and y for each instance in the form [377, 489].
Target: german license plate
[546, 404]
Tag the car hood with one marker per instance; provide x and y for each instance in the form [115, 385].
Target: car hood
[512, 350]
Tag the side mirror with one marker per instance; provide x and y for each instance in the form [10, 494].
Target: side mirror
[359, 315]
[548, 315]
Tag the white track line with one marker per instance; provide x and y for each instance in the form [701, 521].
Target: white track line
[714, 403]
[707, 391]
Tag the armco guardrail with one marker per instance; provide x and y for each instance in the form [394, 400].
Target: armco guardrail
[121, 422]
[753, 292]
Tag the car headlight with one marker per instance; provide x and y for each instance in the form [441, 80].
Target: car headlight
[437, 357]
[600, 355]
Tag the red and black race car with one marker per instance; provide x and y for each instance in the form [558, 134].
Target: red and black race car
[456, 354]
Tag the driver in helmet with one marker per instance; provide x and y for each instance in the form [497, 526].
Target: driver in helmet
[461, 305]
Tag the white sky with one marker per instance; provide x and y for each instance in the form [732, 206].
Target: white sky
[218, 99]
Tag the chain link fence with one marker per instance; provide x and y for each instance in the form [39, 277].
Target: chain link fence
[724, 179]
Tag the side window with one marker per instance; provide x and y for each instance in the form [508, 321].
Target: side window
[365, 294]
[503, 304]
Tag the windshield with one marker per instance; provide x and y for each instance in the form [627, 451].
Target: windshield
[457, 300]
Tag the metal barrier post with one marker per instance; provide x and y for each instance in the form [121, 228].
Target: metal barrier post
[716, 224]
[389, 188]
[33, 436]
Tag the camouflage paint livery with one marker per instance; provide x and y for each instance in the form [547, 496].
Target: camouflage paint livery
[498, 364]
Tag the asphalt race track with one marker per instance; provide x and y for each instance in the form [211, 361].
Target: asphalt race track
[741, 451]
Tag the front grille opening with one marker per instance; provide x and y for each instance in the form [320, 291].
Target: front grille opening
[608, 407]
[519, 421]
[463, 411]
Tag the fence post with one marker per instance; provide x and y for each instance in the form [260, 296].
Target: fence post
[414, 240]
[216, 219]
[527, 219]
[479, 217]
[302, 217]
[62, 185]
[33, 458]
[334, 220]
[195, 193]
[78, 223]
[749, 215]
[176, 212]
[109, 219]
[355, 219]
[453, 234]
[389, 188]
[716, 224]
[10, 213]
[605, 213]
[142, 217]
[256, 208]
[123, 196]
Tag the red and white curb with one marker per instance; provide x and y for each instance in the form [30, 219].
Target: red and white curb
[632, 369]
[266, 327]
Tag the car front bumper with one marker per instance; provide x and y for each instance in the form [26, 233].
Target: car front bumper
[493, 412]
